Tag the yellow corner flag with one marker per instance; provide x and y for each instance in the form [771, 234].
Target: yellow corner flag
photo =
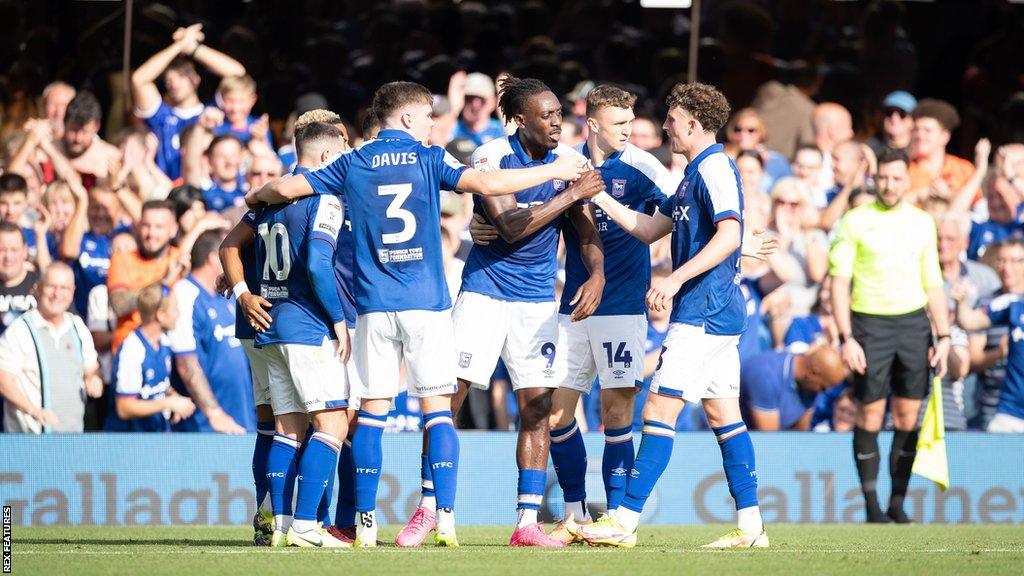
[931, 459]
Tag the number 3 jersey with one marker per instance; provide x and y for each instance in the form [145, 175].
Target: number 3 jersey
[295, 245]
[392, 186]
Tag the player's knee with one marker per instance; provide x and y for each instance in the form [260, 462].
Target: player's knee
[535, 412]
[617, 415]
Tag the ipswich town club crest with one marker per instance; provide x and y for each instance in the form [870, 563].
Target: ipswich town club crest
[464, 359]
[618, 187]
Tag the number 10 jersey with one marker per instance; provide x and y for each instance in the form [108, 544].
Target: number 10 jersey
[392, 187]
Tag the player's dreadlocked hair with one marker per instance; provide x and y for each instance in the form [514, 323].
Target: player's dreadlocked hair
[513, 93]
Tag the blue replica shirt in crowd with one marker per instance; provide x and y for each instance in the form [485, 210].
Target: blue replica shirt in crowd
[1008, 310]
[802, 332]
[167, 122]
[709, 193]
[756, 337]
[244, 134]
[392, 186]
[206, 328]
[523, 271]
[824, 407]
[344, 260]
[493, 131]
[767, 384]
[92, 265]
[295, 253]
[986, 233]
[218, 199]
[286, 154]
[250, 272]
[144, 372]
[636, 179]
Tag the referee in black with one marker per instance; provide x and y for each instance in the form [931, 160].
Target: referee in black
[887, 250]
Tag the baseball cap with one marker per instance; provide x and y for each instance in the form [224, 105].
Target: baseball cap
[479, 84]
[310, 101]
[900, 99]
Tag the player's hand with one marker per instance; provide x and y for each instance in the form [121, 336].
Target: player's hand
[344, 350]
[251, 199]
[45, 416]
[587, 298]
[223, 423]
[255, 309]
[854, 357]
[568, 167]
[759, 247]
[659, 297]
[938, 356]
[93, 386]
[589, 185]
[181, 406]
[481, 232]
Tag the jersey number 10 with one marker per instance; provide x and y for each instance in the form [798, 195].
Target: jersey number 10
[278, 262]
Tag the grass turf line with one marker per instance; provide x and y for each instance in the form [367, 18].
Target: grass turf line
[810, 549]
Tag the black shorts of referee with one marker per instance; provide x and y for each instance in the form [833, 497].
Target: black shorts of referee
[896, 350]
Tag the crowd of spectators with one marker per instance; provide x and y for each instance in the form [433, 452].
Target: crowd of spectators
[112, 186]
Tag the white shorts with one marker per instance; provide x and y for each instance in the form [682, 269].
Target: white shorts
[355, 384]
[1003, 423]
[610, 348]
[523, 334]
[305, 378]
[258, 368]
[423, 338]
[695, 365]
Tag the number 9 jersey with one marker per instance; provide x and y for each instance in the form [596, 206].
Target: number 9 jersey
[392, 187]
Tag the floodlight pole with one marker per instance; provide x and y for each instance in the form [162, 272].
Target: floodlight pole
[126, 61]
[691, 71]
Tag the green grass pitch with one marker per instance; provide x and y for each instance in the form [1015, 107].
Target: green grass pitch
[800, 550]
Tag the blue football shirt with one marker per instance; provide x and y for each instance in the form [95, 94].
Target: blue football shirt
[709, 193]
[144, 372]
[523, 271]
[1008, 310]
[636, 179]
[206, 328]
[392, 186]
[767, 384]
[167, 122]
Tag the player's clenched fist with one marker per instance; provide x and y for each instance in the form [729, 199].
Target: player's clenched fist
[589, 185]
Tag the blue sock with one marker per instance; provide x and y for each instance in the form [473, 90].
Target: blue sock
[323, 510]
[531, 488]
[264, 440]
[738, 462]
[616, 463]
[569, 455]
[368, 457]
[345, 515]
[651, 460]
[318, 463]
[281, 473]
[426, 478]
[444, 457]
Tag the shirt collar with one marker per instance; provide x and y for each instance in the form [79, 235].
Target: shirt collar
[614, 157]
[41, 323]
[524, 156]
[394, 134]
[300, 170]
[692, 166]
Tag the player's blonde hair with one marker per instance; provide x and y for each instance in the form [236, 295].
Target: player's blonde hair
[231, 84]
[317, 115]
[606, 95]
[151, 299]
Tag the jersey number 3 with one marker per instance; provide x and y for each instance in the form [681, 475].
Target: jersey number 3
[395, 211]
[278, 262]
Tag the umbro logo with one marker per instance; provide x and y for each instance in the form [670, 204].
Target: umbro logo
[618, 471]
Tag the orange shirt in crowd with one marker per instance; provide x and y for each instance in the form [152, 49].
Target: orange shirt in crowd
[955, 171]
[129, 270]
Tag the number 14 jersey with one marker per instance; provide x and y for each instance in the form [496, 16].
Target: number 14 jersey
[392, 187]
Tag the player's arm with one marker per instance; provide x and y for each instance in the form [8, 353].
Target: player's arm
[326, 224]
[279, 191]
[130, 407]
[252, 305]
[644, 227]
[588, 297]
[509, 181]
[515, 223]
[199, 140]
[726, 240]
[765, 421]
[971, 319]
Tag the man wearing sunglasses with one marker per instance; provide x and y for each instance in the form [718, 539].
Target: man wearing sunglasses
[897, 123]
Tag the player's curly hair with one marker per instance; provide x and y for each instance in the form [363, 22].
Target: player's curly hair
[703, 102]
[514, 92]
[607, 95]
